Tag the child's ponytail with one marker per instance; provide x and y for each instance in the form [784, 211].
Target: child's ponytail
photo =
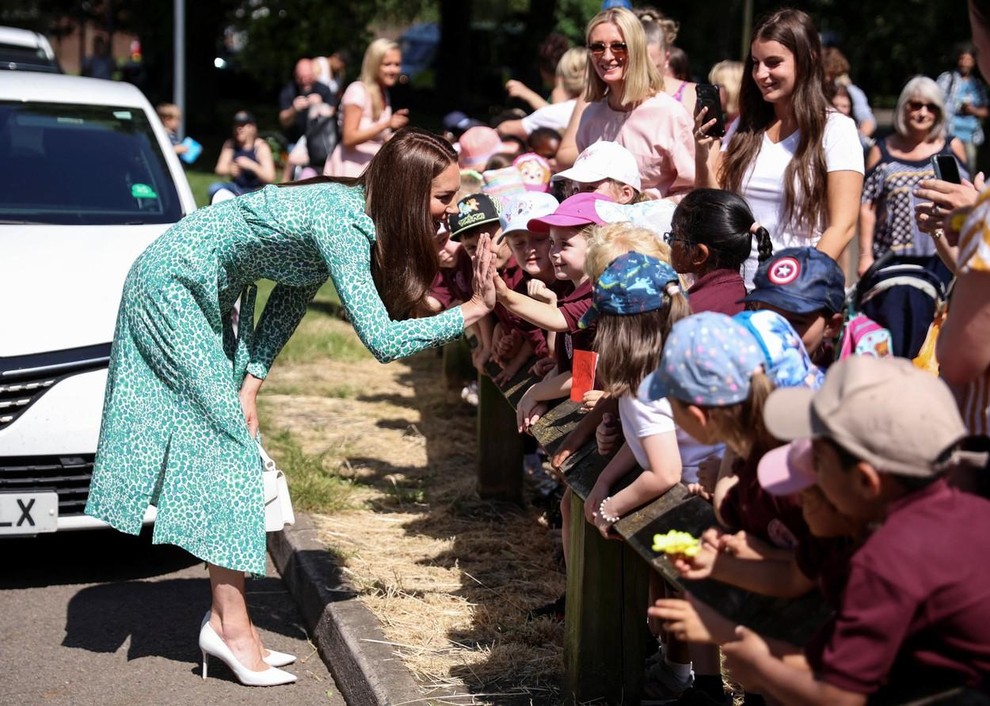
[676, 305]
[764, 246]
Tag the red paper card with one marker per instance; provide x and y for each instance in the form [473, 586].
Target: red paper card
[582, 373]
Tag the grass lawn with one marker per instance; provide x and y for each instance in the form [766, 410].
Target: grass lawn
[199, 182]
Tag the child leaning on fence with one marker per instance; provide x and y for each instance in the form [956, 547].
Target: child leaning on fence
[915, 607]
[568, 227]
[711, 235]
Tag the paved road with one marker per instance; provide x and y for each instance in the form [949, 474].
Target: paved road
[103, 618]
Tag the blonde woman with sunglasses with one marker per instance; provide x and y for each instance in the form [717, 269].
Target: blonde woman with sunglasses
[626, 104]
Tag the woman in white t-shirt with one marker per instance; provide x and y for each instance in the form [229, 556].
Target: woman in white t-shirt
[366, 117]
[796, 161]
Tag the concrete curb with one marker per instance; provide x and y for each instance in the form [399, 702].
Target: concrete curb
[347, 635]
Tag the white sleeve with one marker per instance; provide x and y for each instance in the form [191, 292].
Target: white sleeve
[650, 418]
[553, 115]
[843, 151]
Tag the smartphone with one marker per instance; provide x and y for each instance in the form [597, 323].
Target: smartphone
[708, 97]
[946, 168]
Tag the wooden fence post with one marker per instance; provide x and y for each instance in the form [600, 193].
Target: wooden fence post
[500, 447]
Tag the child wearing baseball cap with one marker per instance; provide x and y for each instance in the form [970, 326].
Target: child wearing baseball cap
[915, 607]
[717, 372]
[531, 251]
[606, 168]
[568, 229]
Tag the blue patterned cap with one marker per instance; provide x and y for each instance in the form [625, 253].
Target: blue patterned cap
[631, 284]
[708, 359]
[788, 363]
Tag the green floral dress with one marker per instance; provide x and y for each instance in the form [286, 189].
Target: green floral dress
[173, 432]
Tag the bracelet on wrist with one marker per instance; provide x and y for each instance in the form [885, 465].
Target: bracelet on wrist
[602, 513]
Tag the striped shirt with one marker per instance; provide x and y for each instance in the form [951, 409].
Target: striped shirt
[974, 256]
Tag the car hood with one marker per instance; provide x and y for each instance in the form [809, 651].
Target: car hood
[62, 284]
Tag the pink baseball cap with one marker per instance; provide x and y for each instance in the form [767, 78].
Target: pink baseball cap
[788, 469]
[577, 210]
[478, 145]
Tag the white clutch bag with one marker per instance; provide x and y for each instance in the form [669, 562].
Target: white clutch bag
[278, 504]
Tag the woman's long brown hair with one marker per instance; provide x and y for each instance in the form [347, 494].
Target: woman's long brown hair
[397, 187]
[806, 205]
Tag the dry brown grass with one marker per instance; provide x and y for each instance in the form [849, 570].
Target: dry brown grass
[450, 577]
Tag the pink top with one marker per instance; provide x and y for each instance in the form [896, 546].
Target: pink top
[657, 132]
[351, 161]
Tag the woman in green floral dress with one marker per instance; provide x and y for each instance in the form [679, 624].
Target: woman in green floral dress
[180, 414]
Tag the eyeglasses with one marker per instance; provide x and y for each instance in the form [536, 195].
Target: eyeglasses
[618, 49]
[915, 106]
[670, 239]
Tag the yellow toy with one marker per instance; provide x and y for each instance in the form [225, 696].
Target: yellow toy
[676, 542]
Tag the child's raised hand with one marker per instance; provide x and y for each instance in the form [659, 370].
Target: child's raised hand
[699, 490]
[541, 292]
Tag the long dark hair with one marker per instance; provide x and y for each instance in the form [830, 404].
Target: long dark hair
[721, 221]
[397, 186]
[805, 205]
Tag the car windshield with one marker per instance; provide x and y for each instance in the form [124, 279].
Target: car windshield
[82, 165]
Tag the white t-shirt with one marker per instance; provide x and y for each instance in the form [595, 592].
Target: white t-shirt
[644, 419]
[552, 115]
[763, 183]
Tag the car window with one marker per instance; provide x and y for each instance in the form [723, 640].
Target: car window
[82, 165]
[31, 58]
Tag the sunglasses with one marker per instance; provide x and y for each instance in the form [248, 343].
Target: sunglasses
[915, 106]
[670, 239]
[618, 49]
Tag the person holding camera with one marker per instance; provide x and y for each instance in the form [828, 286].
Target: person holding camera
[795, 159]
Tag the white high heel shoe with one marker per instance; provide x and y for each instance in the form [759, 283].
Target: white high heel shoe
[274, 658]
[212, 644]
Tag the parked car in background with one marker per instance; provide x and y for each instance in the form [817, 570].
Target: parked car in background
[87, 180]
[25, 50]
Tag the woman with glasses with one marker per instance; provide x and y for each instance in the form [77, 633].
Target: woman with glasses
[626, 104]
[895, 165]
[796, 160]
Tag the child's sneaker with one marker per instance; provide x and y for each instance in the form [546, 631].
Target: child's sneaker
[661, 684]
[470, 393]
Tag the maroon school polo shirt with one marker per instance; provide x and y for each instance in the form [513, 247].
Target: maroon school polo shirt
[453, 284]
[573, 307]
[718, 290]
[775, 519]
[916, 608]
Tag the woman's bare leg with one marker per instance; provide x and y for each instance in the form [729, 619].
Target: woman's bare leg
[229, 617]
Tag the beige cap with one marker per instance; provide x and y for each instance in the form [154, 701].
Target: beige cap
[884, 411]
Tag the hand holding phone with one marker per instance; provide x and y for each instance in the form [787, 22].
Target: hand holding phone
[946, 168]
[709, 97]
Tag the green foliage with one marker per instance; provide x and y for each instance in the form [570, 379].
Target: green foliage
[573, 16]
[311, 486]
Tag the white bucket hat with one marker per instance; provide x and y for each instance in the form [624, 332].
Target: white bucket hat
[519, 209]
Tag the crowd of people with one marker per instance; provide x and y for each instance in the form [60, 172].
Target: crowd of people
[701, 273]
[682, 283]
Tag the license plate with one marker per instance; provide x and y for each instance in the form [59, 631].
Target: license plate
[28, 513]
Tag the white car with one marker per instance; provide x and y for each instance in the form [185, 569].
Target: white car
[88, 178]
[25, 50]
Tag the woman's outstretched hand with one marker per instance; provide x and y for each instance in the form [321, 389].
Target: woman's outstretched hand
[482, 283]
